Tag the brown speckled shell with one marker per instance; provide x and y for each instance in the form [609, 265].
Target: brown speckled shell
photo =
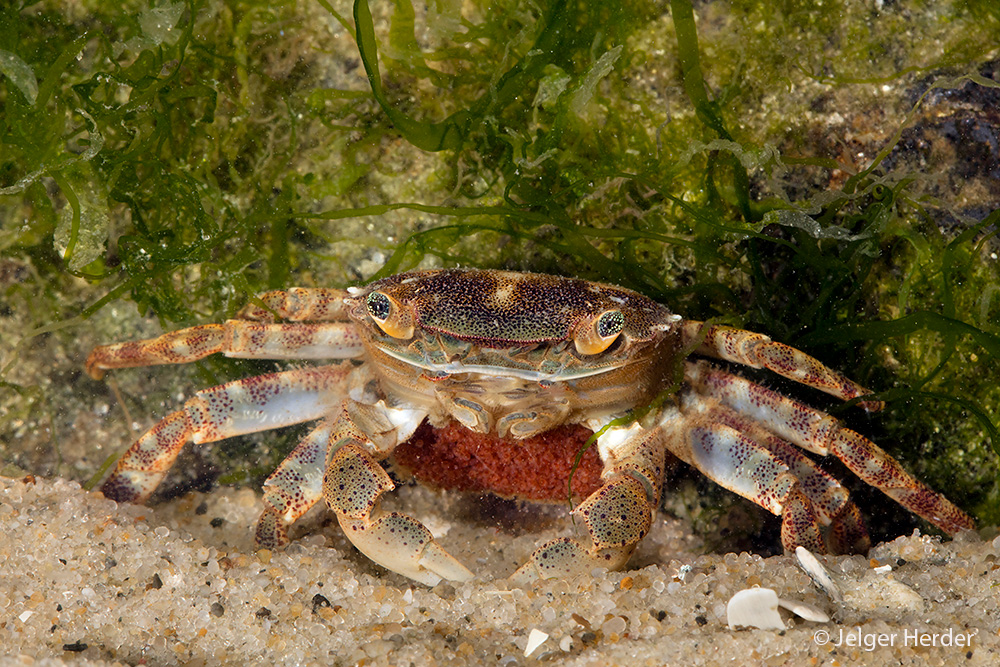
[504, 307]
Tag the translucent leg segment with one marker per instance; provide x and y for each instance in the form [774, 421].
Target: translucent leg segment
[244, 406]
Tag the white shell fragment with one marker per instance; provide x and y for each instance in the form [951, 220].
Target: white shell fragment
[803, 610]
[758, 608]
[883, 592]
[535, 639]
[754, 608]
[819, 574]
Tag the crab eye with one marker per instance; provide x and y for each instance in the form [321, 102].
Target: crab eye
[598, 334]
[389, 315]
[379, 306]
[610, 324]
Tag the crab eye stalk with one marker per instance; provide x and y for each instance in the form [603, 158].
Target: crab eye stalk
[597, 335]
[390, 315]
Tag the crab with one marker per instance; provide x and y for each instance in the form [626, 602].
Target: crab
[514, 355]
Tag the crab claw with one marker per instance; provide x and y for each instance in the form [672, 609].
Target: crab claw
[404, 545]
[617, 515]
[352, 486]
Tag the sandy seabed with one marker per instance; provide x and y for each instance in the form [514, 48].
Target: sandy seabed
[85, 580]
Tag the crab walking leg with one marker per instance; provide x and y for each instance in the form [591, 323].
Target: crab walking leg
[235, 338]
[297, 483]
[294, 487]
[617, 515]
[821, 434]
[354, 483]
[826, 497]
[738, 463]
[298, 304]
[243, 406]
[848, 534]
[758, 351]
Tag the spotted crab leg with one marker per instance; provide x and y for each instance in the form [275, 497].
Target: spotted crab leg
[759, 351]
[821, 434]
[846, 532]
[294, 487]
[315, 327]
[298, 304]
[354, 483]
[234, 338]
[617, 515]
[243, 406]
[746, 458]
